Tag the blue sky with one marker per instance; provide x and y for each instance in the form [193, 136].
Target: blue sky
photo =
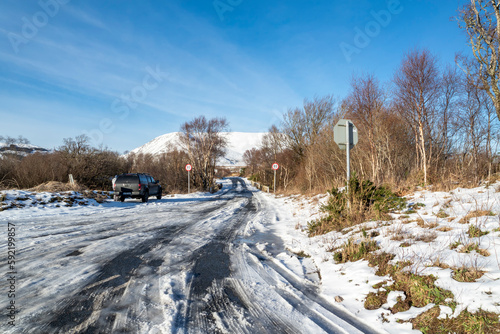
[124, 72]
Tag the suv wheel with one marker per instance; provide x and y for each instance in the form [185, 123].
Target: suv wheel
[145, 197]
[159, 194]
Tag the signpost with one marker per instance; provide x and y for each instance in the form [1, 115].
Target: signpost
[345, 135]
[275, 167]
[188, 168]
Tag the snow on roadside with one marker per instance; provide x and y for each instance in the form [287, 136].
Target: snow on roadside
[435, 232]
[16, 199]
[444, 217]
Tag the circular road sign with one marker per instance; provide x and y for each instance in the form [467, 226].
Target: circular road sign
[189, 167]
[275, 166]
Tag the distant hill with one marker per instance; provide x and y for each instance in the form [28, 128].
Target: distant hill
[238, 143]
[21, 150]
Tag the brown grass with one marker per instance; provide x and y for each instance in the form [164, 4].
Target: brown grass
[471, 246]
[442, 214]
[381, 261]
[440, 264]
[467, 274]
[465, 323]
[427, 236]
[475, 214]
[423, 224]
[55, 186]
[444, 229]
[374, 301]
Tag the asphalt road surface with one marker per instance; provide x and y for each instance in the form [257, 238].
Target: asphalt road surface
[171, 266]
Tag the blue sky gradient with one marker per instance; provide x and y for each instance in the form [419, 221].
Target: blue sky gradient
[124, 72]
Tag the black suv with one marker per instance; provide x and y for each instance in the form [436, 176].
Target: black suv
[137, 185]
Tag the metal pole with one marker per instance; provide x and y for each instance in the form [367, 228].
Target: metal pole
[275, 182]
[189, 183]
[348, 148]
[348, 161]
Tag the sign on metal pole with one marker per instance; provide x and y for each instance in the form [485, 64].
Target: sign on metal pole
[188, 168]
[345, 135]
[275, 167]
[341, 132]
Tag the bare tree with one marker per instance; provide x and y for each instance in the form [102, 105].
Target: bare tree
[472, 125]
[366, 105]
[274, 141]
[417, 89]
[251, 159]
[302, 127]
[476, 125]
[481, 21]
[205, 143]
[294, 128]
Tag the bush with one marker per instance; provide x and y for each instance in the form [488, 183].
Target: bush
[353, 251]
[363, 201]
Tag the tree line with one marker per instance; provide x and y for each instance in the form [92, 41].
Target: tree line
[201, 145]
[430, 124]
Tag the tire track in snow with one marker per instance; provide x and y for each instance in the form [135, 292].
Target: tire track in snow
[98, 307]
[216, 302]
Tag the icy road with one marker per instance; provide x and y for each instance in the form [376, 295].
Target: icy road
[193, 264]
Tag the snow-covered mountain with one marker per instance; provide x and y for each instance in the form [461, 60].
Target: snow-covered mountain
[20, 149]
[238, 143]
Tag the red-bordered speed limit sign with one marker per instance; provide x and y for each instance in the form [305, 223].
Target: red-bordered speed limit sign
[276, 166]
[189, 167]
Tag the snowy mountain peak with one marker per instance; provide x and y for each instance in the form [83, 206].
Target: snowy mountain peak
[238, 143]
[20, 149]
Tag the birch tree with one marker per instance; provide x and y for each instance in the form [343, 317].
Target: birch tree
[416, 93]
[366, 104]
[480, 19]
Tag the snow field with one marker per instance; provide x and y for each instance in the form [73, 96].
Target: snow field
[435, 233]
[276, 268]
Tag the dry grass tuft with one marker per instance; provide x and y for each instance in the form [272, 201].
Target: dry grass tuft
[475, 214]
[55, 186]
[427, 236]
[423, 224]
[475, 232]
[374, 301]
[467, 274]
[354, 251]
[442, 214]
[444, 229]
[465, 323]
[440, 264]
[381, 261]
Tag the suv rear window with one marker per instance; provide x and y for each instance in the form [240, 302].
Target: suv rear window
[127, 179]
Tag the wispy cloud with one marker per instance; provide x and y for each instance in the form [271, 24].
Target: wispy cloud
[86, 17]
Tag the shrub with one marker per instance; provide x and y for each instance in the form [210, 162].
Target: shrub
[467, 274]
[354, 251]
[363, 201]
[475, 232]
